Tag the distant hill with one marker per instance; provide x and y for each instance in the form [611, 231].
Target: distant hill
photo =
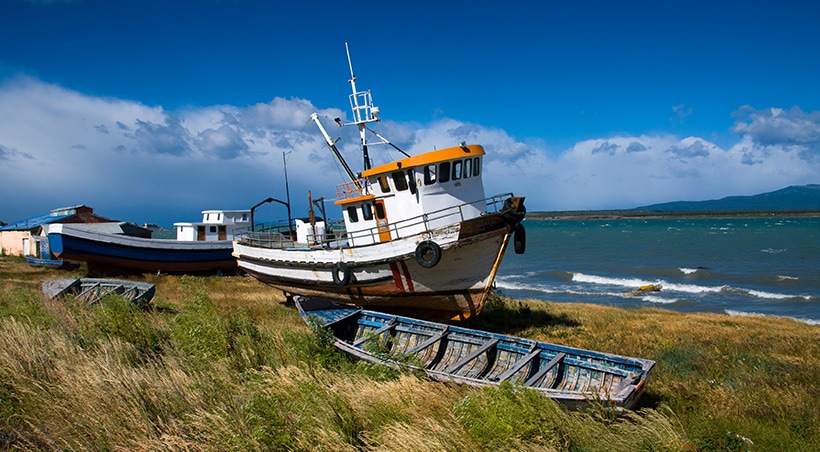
[794, 198]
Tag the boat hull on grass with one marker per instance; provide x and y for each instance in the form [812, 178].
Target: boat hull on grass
[121, 254]
[574, 377]
[92, 290]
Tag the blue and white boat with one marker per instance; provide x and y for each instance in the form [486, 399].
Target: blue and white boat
[444, 352]
[203, 247]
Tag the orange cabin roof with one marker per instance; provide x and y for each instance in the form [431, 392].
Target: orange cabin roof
[427, 158]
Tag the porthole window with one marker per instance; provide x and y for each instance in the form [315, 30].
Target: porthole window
[380, 215]
[385, 186]
[352, 214]
[457, 167]
[399, 180]
[444, 171]
[367, 212]
[429, 174]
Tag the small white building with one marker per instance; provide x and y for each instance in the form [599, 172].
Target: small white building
[215, 225]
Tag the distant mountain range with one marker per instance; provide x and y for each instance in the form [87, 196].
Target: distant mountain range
[794, 198]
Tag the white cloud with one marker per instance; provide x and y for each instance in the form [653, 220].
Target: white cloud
[786, 130]
[142, 163]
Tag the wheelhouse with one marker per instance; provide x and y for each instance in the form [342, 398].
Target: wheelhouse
[413, 195]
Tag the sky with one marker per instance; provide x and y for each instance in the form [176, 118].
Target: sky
[153, 110]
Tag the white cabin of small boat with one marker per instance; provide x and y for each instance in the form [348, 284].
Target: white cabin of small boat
[413, 195]
[216, 225]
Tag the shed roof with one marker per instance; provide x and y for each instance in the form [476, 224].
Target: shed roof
[33, 222]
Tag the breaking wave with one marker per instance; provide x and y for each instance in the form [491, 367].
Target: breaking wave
[633, 283]
[732, 312]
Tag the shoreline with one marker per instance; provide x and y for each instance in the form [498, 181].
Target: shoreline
[654, 215]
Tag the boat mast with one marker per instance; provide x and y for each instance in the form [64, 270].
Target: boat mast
[364, 112]
[361, 102]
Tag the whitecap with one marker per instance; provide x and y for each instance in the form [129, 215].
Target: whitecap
[732, 312]
[687, 271]
[787, 278]
[593, 279]
[658, 300]
[693, 288]
[510, 285]
[774, 296]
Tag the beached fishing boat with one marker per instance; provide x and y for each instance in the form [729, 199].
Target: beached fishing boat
[418, 234]
[201, 247]
[92, 290]
[450, 353]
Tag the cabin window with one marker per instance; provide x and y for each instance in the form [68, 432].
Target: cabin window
[429, 174]
[244, 217]
[444, 171]
[468, 168]
[399, 181]
[380, 215]
[352, 214]
[384, 184]
[411, 174]
[367, 212]
[457, 167]
[213, 229]
[219, 217]
[476, 166]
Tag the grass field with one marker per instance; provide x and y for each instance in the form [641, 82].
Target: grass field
[222, 363]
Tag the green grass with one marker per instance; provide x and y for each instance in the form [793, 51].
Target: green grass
[224, 364]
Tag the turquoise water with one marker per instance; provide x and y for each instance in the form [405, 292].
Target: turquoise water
[738, 266]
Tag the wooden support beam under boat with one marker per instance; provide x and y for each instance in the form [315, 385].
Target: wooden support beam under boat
[475, 354]
[554, 362]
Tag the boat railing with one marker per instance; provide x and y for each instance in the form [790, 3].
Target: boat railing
[349, 190]
[336, 236]
[279, 235]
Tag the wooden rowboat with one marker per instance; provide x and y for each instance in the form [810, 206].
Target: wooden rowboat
[92, 290]
[449, 353]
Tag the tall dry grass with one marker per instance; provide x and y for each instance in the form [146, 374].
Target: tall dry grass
[224, 364]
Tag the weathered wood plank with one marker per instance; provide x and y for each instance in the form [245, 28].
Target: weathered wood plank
[554, 362]
[524, 361]
[486, 346]
[365, 337]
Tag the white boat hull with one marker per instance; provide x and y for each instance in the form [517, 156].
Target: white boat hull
[387, 275]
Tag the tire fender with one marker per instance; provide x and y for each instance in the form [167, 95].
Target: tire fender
[341, 274]
[428, 254]
[520, 239]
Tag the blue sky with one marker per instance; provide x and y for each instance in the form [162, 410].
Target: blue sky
[151, 111]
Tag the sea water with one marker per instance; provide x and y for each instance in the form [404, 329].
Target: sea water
[737, 266]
